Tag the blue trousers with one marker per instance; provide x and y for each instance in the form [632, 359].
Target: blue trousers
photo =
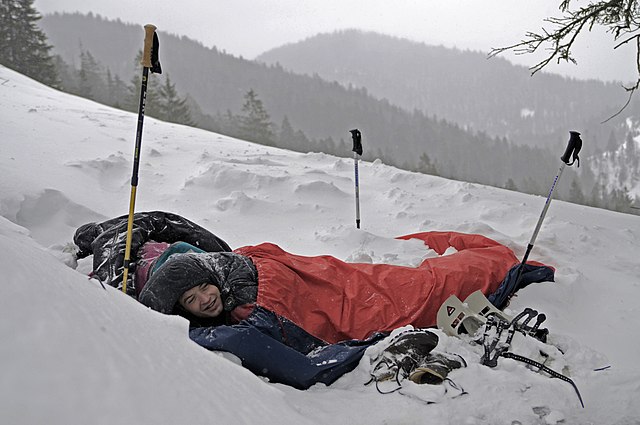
[273, 347]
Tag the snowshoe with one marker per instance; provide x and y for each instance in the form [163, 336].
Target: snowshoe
[478, 303]
[456, 318]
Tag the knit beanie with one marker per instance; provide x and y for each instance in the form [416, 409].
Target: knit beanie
[177, 275]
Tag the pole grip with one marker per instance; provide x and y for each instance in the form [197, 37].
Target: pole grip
[573, 148]
[149, 32]
[151, 50]
[357, 141]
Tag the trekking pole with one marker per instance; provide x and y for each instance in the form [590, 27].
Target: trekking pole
[357, 151]
[571, 153]
[151, 62]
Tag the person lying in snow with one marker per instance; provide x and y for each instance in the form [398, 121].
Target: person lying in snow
[309, 319]
[303, 320]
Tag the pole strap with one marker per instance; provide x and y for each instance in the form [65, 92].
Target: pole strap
[573, 148]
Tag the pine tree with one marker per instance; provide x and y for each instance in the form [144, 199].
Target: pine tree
[635, 207]
[327, 145]
[612, 144]
[575, 193]
[425, 165]
[117, 90]
[302, 142]
[255, 122]
[596, 199]
[170, 107]
[287, 135]
[227, 123]
[342, 148]
[510, 185]
[132, 102]
[619, 200]
[631, 151]
[66, 74]
[91, 84]
[23, 46]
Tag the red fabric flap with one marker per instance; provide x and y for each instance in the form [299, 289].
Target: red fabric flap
[335, 301]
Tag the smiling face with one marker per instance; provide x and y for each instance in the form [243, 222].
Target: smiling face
[202, 301]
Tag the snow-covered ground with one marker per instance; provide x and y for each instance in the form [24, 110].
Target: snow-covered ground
[72, 352]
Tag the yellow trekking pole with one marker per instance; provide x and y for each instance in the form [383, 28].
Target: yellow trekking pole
[151, 62]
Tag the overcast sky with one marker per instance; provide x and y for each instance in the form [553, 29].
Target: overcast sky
[249, 27]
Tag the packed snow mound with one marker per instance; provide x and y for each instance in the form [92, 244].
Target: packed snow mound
[70, 345]
[75, 352]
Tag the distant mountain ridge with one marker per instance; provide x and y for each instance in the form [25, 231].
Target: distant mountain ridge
[489, 95]
[411, 139]
[217, 81]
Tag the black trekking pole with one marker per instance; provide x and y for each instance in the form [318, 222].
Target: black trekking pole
[151, 62]
[357, 151]
[570, 154]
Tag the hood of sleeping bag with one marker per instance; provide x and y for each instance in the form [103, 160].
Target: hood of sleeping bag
[84, 237]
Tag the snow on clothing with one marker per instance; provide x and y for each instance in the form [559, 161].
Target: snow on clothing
[107, 240]
[314, 309]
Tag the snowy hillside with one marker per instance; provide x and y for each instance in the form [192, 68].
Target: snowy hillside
[621, 168]
[75, 353]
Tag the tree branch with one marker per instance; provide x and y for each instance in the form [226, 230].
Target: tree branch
[631, 90]
[622, 17]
